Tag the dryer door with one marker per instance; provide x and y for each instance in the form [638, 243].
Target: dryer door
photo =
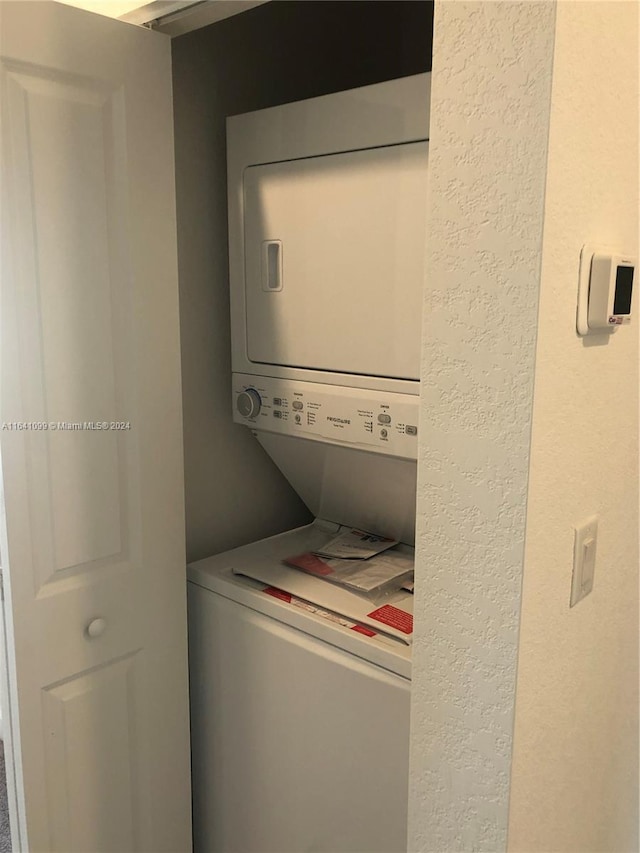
[334, 261]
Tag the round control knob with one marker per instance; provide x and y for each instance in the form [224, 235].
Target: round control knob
[249, 403]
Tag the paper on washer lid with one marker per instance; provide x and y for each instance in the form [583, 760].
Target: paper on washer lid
[393, 617]
[354, 544]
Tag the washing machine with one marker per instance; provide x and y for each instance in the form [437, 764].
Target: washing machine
[300, 717]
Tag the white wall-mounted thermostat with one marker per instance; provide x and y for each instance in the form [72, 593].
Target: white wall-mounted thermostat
[605, 290]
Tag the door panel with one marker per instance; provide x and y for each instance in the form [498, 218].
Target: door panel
[93, 526]
[64, 138]
[71, 710]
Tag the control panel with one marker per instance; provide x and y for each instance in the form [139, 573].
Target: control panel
[376, 421]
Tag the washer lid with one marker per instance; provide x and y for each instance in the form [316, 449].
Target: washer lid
[216, 574]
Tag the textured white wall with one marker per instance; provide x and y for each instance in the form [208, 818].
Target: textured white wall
[490, 113]
[575, 770]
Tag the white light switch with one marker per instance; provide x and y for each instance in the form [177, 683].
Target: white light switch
[584, 559]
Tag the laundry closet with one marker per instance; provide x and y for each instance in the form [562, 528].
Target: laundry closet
[94, 489]
[275, 54]
[325, 333]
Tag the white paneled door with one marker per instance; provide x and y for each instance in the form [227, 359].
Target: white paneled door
[92, 535]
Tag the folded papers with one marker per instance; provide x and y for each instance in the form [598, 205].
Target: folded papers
[371, 569]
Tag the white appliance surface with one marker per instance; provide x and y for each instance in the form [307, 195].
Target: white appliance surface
[300, 726]
[371, 491]
[216, 574]
[349, 453]
[351, 231]
[327, 213]
[376, 421]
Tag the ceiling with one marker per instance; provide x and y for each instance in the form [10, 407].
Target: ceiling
[173, 17]
[111, 8]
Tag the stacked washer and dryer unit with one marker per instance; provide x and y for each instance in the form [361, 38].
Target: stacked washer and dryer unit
[300, 726]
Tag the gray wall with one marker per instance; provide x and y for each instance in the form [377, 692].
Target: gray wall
[275, 53]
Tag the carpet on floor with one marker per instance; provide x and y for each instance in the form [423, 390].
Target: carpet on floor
[5, 832]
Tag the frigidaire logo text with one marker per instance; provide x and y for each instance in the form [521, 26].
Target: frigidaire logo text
[339, 420]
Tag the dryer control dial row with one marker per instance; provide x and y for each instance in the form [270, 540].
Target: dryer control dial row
[382, 422]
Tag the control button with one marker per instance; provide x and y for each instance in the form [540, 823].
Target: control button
[297, 405]
[411, 430]
[298, 419]
[384, 419]
[277, 401]
[277, 413]
[384, 433]
[249, 403]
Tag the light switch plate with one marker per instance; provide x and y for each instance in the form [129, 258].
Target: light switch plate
[584, 559]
